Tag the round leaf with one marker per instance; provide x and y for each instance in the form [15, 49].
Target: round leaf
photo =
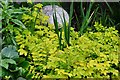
[9, 52]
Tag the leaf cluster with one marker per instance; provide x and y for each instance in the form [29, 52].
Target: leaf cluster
[93, 55]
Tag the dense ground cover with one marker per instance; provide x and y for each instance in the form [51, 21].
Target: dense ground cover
[33, 49]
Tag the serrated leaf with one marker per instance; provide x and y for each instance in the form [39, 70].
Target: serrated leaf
[9, 52]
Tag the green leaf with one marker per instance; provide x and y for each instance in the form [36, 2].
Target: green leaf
[29, 76]
[11, 61]
[70, 19]
[20, 60]
[9, 52]
[109, 6]
[86, 20]
[18, 22]
[82, 9]
[16, 69]
[1, 5]
[18, 11]
[4, 62]
[0, 71]
[24, 64]
[56, 23]
[21, 78]
[4, 72]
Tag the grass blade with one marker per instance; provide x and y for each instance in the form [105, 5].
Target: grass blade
[82, 9]
[109, 7]
[55, 23]
[70, 19]
[57, 31]
[60, 39]
[65, 28]
[85, 20]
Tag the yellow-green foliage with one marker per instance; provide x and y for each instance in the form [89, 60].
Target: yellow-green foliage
[34, 15]
[92, 55]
